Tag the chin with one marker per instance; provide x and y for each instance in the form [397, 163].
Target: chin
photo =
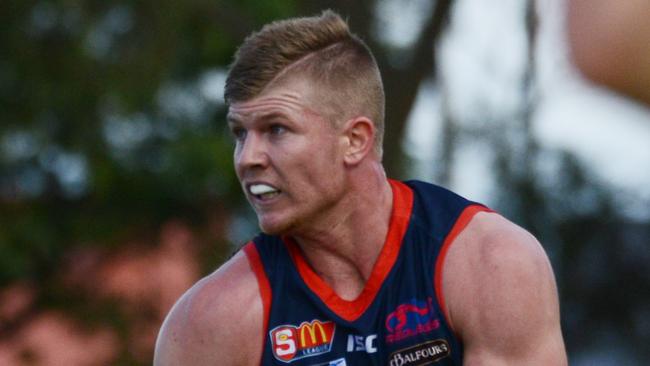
[274, 227]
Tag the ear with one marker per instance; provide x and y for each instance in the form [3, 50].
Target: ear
[359, 135]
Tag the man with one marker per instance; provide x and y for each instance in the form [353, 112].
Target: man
[353, 268]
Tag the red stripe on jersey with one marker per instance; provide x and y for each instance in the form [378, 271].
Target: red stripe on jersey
[352, 310]
[262, 281]
[461, 223]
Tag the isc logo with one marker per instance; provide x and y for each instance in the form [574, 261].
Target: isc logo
[292, 343]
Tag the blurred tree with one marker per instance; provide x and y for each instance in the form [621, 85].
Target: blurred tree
[112, 124]
[597, 252]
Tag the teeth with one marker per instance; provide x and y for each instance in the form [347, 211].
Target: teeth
[259, 189]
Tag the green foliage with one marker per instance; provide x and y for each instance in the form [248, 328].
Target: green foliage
[93, 137]
[111, 124]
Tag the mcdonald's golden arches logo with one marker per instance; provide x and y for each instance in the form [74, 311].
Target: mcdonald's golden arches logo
[312, 338]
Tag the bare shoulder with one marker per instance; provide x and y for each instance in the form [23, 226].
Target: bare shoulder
[501, 295]
[217, 321]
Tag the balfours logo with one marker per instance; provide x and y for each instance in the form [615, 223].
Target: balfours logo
[292, 343]
[422, 354]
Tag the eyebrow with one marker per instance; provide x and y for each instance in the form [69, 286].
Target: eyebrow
[231, 119]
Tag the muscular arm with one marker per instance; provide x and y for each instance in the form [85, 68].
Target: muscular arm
[217, 322]
[501, 295]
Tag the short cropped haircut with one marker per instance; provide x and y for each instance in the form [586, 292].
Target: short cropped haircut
[322, 49]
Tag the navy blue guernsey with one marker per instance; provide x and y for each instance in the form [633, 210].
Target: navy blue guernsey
[397, 320]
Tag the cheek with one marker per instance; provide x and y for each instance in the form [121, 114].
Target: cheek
[235, 159]
[314, 162]
[328, 174]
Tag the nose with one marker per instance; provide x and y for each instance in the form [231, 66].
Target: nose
[251, 153]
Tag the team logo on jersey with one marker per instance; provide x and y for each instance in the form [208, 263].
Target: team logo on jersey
[421, 354]
[366, 344]
[290, 343]
[410, 319]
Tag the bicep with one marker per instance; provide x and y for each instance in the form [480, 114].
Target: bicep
[170, 345]
[503, 298]
[178, 338]
[208, 325]
[534, 346]
[218, 348]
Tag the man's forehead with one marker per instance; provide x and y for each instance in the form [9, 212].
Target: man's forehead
[289, 97]
[254, 109]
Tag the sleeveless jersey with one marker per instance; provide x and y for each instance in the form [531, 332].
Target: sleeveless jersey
[397, 320]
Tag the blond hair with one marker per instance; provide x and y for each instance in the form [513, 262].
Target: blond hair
[321, 48]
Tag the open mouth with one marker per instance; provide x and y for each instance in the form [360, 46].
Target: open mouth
[263, 191]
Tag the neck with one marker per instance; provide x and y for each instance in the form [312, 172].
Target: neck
[343, 247]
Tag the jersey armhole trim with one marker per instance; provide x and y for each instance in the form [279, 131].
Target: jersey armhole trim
[461, 223]
[262, 281]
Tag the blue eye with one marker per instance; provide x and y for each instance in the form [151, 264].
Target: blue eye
[239, 133]
[277, 129]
